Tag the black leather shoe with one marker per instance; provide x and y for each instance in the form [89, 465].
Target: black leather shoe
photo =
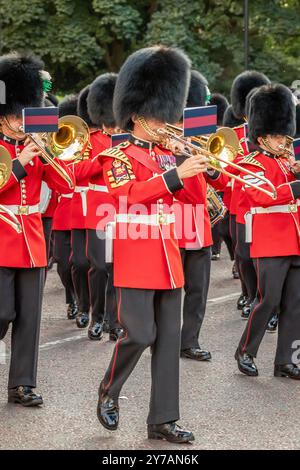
[170, 432]
[235, 273]
[95, 332]
[246, 364]
[272, 325]
[246, 312]
[72, 311]
[24, 396]
[287, 370]
[215, 256]
[107, 411]
[197, 354]
[115, 334]
[241, 302]
[82, 320]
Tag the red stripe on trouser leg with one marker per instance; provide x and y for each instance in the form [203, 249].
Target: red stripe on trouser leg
[254, 310]
[117, 345]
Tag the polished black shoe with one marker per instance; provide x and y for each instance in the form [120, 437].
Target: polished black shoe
[107, 411]
[72, 311]
[95, 332]
[235, 273]
[24, 396]
[82, 319]
[241, 302]
[197, 354]
[246, 310]
[115, 334]
[170, 432]
[246, 364]
[287, 370]
[215, 256]
[272, 325]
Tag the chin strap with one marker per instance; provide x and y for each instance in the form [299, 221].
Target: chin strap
[143, 123]
[276, 152]
[20, 135]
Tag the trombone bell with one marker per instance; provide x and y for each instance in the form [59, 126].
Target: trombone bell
[71, 139]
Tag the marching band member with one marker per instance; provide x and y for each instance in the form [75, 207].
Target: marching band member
[62, 227]
[151, 89]
[273, 228]
[23, 256]
[102, 291]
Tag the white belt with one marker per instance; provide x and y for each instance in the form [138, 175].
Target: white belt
[153, 219]
[82, 190]
[98, 187]
[281, 209]
[23, 210]
[67, 196]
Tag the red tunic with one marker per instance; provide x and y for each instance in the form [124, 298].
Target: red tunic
[146, 255]
[236, 185]
[26, 250]
[273, 234]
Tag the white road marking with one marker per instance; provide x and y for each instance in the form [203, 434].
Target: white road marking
[217, 300]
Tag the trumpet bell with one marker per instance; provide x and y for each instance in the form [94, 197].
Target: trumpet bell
[71, 139]
[5, 166]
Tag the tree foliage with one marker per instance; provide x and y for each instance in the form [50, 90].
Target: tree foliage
[78, 39]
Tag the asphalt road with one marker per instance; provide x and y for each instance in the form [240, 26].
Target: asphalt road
[225, 409]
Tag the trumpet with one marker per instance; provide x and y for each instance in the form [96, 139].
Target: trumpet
[5, 172]
[67, 144]
[220, 148]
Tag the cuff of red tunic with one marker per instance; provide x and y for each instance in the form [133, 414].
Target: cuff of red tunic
[172, 180]
[295, 188]
[18, 170]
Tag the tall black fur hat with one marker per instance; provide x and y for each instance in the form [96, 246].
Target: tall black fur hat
[68, 106]
[297, 135]
[82, 110]
[230, 119]
[153, 83]
[240, 88]
[222, 104]
[99, 100]
[197, 91]
[272, 111]
[21, 75]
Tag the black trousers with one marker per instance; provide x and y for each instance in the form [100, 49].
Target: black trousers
[223, 229]
[278, 289]
[217, 240]
[150, 318]
[80, 269]
[102, 291]
[233, 233]
[47, 226]
[246, 263]
[21, 305]
[62, 255]
[196, 266]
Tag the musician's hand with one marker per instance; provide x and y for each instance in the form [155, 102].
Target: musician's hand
[192, 166]
[295, 165]
[28, 153]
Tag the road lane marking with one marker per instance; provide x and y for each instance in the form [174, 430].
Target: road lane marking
[217, 300]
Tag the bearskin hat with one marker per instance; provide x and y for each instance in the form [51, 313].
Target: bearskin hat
[230, 119]
[197, 91]
[100, 98]
[68, 106]
[21, 75]
[82, 110]
[297, 135]
[153, 82]
[241, 86]
[222, 104]
[272, 112]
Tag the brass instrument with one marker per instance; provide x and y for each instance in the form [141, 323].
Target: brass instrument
[5, 172]
[220, 148]
[287, 147]
[67, 144]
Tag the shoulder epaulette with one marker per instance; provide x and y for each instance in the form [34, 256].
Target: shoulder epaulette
[116, 152]
[250, 160]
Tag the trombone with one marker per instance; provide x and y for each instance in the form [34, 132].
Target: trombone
[67, 144]
[221, 148]
[5, 172]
